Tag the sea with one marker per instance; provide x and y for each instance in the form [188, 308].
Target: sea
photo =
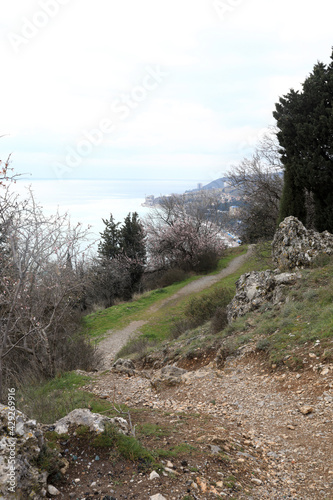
[90, 201]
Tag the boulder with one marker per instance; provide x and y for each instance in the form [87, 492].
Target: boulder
[124, 366]
[257, 288]
[24, 447]
[295, 247]
[94, 421]
[168, 375]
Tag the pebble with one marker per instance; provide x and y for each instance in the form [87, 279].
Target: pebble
[52, 490]
[154, 475]
[306, 410]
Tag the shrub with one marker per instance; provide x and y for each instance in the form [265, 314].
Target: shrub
[203, 308]
[171, 276]
[219, 320]
[179, 327]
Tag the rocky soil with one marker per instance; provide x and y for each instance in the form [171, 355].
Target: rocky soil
[248, 433]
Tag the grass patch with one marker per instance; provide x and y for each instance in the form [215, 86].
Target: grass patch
[175, 451]
[119, 316]
[48, 401]
[152, 430]
[178, 315]
[230, 254]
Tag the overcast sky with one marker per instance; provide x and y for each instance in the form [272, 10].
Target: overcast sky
[129, 89]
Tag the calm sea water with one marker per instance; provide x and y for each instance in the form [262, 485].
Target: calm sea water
[88, 201]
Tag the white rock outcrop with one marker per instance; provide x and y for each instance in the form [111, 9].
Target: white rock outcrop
[295, 247]
[20, 447]
[94, 421]
[257, 288]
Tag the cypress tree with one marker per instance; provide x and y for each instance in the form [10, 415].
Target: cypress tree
[305, 123]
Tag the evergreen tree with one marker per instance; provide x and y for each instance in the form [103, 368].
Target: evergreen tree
[122, 258]
[132, 238]
[109, 246]
[305, 123]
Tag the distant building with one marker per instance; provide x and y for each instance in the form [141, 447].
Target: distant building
[199, 185]
[149, 201]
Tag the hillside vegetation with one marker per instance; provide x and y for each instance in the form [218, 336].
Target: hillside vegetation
[297, 334]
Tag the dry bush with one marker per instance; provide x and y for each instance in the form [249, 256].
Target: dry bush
[219, 320]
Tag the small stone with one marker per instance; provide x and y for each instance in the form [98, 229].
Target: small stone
[158, 496]
[170, 464]
[154, 475]
[306, 410]
[325, 371]
[52, 490]
[219, 484]
[172, 471]
[256, 481]
[77, 480]
[291, 427]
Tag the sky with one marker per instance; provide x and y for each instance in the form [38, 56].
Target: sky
[149, 89]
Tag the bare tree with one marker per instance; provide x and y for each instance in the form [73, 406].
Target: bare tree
[40, 285]
[260, 181]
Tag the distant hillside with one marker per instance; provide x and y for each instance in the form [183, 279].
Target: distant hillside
[217, 184]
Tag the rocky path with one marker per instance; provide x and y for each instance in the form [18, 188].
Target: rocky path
[282, 422]
[115, 340]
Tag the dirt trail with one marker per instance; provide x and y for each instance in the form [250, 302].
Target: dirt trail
[115, 340]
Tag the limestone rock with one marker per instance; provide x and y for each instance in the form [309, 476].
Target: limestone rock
[306, 410]
[257, 288]
[52, 490]
[94, 421]
[124, 366]
[157, 497]
[26, 444]
[295, 247]
[168, 375]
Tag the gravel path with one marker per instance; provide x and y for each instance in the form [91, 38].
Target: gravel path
[115, 340]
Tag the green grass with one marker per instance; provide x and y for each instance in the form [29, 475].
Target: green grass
[119, 316]
[231, 253]
[160, 324]
[149, 429]
[280, 332]
[175, 451]
[48, 401]
[288, 332]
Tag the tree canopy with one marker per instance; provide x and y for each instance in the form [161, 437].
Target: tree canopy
[305, 123]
